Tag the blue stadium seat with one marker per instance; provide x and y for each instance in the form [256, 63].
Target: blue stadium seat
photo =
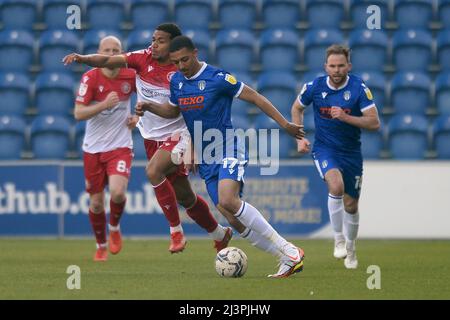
[279, 49]
[193, 14]
[240, 107]
[408, 136]
[12, 137]
[234, 50]
[54, 45]
[412, 50]
[441, 136]
[55, 12]
[241, 122]
[16, 50]
[14, 93]
[316, 43]
[324, 14]
[372, 143]
[376, 81]
[18, 14]
[410, 92]
[105, 14]
[54, 94]
[368, 43]
[443, 49]
[92, 38]
[50, 137]
[444, 13]
[202, 41]
[280, 88]
[239, 14]
[359, 15]
[139, 39]
[442, 90]
[281, 13]
[413, 13]
[147, 14]
[285, 145]
[80, 128]
[138, 146]
[311, 75]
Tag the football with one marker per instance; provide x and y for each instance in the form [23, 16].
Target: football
[231, 262]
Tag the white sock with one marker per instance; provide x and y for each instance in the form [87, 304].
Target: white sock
[260, 242]
[351, 229]
[336, 211]
[254, 220]
[177, 228]
[101, 245]
[112, 228]
[218, 234]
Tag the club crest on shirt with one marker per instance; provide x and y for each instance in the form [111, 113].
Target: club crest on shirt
[347, 95]
[324, 95]
[201, 85]
[83, 89]
[125, 87]
[180, 85]
[150, 69]
[100, 88]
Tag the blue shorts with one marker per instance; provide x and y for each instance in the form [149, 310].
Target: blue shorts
[350, 165]
[231, 168]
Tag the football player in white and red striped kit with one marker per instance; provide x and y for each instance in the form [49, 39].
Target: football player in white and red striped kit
[162, 136]
[104, 101]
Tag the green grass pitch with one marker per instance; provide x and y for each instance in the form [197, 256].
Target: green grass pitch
[36, 269]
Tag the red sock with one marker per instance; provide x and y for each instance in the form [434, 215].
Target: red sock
[201, 214]
[168, 202]
[98, 223]
[116, 212]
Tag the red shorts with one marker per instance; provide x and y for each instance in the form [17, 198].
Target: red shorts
[151, 146]
[99, 166]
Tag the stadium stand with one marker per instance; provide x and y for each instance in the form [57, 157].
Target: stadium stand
[12, 137]
[50, 137]
[441, 136]
[14, 93]
[316, 10]
[18, 14]
[149, 14]
[272, 10]
[16, 50]
[408, 137]
[239, 14]
[54, 94]
[279, 49]
[407, 72]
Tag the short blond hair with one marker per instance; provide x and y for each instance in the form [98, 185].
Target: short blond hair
[338, 49]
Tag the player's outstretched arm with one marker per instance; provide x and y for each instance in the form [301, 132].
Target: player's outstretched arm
[96, 60]
[297, 110]
[83, 112]
[250, 95]
[164, 110]
[369, 119]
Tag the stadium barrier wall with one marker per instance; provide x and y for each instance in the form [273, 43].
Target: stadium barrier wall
[399, 200]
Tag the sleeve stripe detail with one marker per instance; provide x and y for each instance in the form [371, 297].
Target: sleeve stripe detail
[369, 107]
[300, 101]
[240, 90]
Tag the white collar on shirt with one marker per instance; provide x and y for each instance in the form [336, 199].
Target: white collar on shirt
[341, 87]
[204, 65]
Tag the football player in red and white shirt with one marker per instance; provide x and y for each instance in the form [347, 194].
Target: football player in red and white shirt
[104, 101]
[163, 136]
